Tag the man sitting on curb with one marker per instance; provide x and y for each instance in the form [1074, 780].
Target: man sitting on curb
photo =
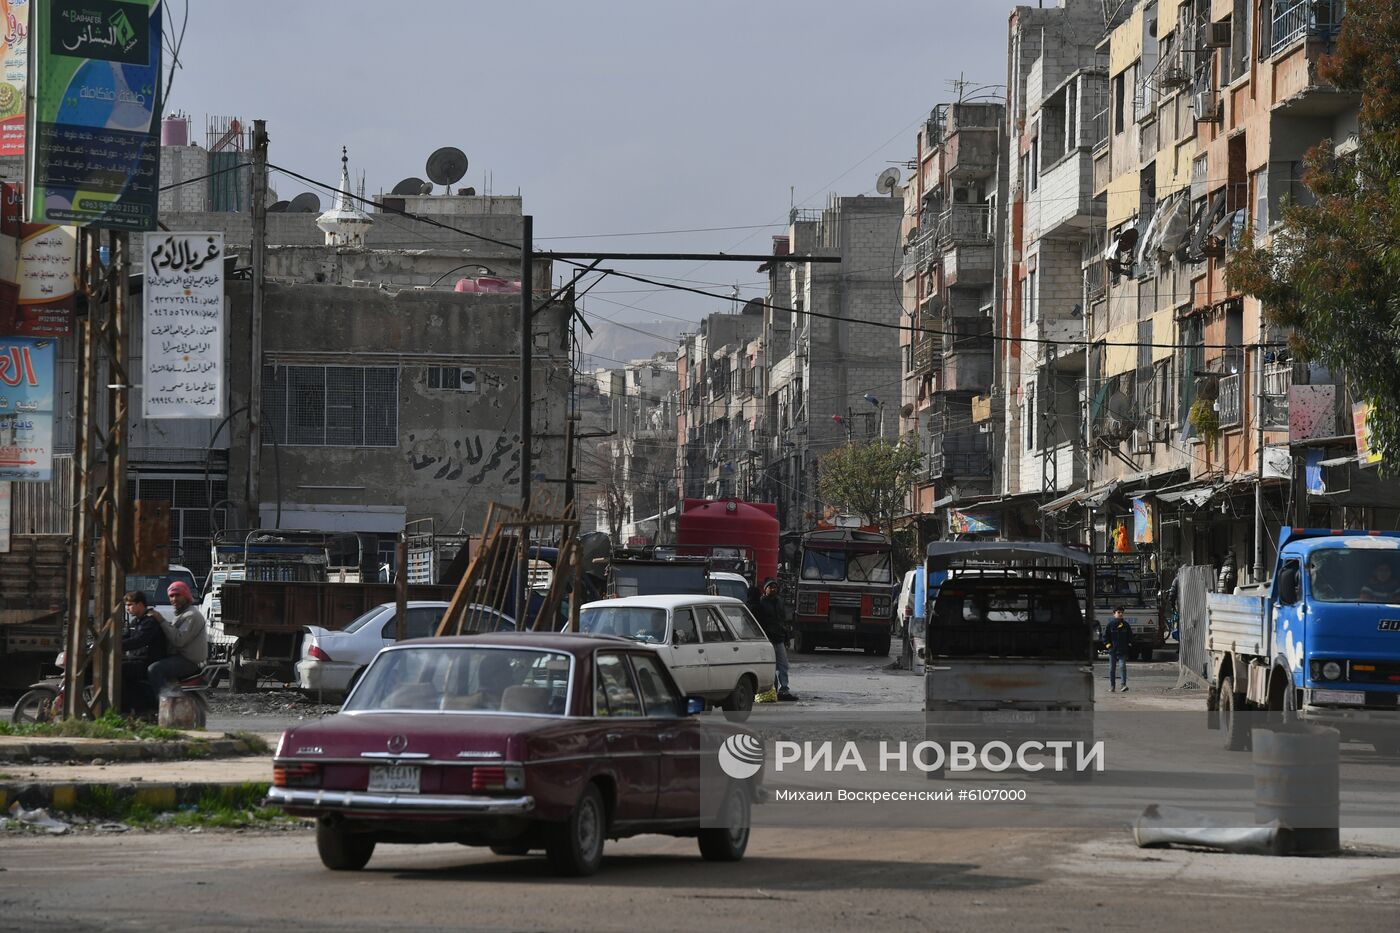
[188, 636]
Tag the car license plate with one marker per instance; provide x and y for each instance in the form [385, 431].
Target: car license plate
[843, 626]
[1008, 716]
[394, 779]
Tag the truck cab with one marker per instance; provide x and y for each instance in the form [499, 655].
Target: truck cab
[1321, 641]
[845, 591]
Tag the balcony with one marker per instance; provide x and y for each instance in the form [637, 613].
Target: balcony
[965, 223]
[1319, 19]
[928, 353]
[972, 153]
[967, 371]
[1278, 378]
[963, 455]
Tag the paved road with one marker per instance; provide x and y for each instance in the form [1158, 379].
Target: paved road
[814, 880]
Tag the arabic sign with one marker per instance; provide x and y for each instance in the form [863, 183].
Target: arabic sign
[4, 517]
[14, 67]
[26, 409]
[1142, 521]
[183, 326]
[94, 154]
[38, 284]
[1361, 424]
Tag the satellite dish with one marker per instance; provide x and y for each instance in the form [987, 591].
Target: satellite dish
[888, 180]
[305, 203]
[425, 188]
[278, 207]
[447, 165]
[408, 186]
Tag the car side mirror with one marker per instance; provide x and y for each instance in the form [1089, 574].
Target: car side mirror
[694, 705]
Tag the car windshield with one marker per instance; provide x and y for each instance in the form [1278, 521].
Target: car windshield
[465, 679]
[1355, 575]
[638, 622]
[854, 567]
[155, 586]
[738, 589]
[364, 620]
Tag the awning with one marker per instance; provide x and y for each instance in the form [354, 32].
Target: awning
[1194, 495]
[1089, 498]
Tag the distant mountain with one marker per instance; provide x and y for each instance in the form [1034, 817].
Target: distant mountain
[626, 341]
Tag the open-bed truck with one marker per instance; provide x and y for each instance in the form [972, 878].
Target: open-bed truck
[1319, 642]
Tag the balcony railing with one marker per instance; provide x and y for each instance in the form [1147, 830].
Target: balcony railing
[1293, 18]
[1098, 129]
[1228, 402]
[966, 223]
[1274, 406]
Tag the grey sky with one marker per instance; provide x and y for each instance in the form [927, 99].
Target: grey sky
[609, 116]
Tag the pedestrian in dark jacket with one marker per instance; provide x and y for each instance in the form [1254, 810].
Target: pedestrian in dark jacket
[143, 641]
[773, 619]
[1118, 639]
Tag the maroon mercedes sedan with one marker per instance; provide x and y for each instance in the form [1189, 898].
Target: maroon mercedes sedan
[517, 741]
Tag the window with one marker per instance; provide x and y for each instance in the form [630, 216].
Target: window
[1261, 202]
[1118, 104]
[684, 632]
[743, 623]
[660, 699]
[712, 627]
[455, 378]
[331, 406]
[1035, 163]
[613, 692]
[1033, 295]
[1028, 416]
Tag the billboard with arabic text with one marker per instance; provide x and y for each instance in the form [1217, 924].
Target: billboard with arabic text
[26, 409]
[93, 127]
[183, 326]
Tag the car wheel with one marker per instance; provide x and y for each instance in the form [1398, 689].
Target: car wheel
[728, 841]
[1231, 716]
[575, 848]
[341, 850]
[741, 698]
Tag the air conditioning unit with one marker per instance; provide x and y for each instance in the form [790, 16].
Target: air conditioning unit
[1140, 442]
[1206, 106]
[1218, 36]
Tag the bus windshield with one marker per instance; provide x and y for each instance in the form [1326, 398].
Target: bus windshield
[846, 566]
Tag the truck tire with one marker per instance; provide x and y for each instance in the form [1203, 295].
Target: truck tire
[802, 643]
[1232, 723]
[882, 647]
[242, 675]
[1144, 654]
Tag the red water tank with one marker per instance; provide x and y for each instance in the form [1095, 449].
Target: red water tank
[732, 523]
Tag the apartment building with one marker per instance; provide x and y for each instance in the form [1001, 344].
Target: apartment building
[718, 378]
[954, 242]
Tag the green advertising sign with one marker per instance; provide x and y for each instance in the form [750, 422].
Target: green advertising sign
[94, 122]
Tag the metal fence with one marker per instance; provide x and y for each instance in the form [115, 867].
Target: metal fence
[1228, 402]
[1294, 18]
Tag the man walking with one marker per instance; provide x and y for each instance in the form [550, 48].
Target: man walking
[1118, 639]
[187, 637]
[772, 618]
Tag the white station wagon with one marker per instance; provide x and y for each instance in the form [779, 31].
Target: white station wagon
[711, 644]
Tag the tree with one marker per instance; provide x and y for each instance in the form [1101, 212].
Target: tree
[870, 480]
[1332, 273]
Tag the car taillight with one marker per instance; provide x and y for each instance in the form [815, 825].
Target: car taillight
[296, 775]
[497, 777]
[316, 654]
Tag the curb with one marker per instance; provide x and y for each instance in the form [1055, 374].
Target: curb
[73, 796]
[88, 749]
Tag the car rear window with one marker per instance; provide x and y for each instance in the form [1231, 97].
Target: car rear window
[464, 679]
[1002, 619]
[742, 623]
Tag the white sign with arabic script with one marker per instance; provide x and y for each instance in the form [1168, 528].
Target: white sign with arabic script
[183, 326]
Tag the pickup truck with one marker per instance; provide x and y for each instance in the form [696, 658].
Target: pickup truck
[1008, 649]
[1319, 642]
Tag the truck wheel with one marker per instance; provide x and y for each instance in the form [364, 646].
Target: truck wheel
[1144, 654]
[882, 647]
[242, 676]
[1232, 716]
[802, 643]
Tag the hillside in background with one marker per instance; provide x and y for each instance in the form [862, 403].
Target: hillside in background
[613, 344]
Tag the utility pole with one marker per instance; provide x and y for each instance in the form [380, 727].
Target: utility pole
[1259, 457]
[259, 186]
[527, 346]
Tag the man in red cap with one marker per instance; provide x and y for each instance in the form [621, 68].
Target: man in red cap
[187, 636]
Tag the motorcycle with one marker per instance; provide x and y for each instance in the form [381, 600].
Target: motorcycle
[43, 702]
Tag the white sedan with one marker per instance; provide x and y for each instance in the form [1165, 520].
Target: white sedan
[331, 662]
[711, 644]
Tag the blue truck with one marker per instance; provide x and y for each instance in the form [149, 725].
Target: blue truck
[1319, 642]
